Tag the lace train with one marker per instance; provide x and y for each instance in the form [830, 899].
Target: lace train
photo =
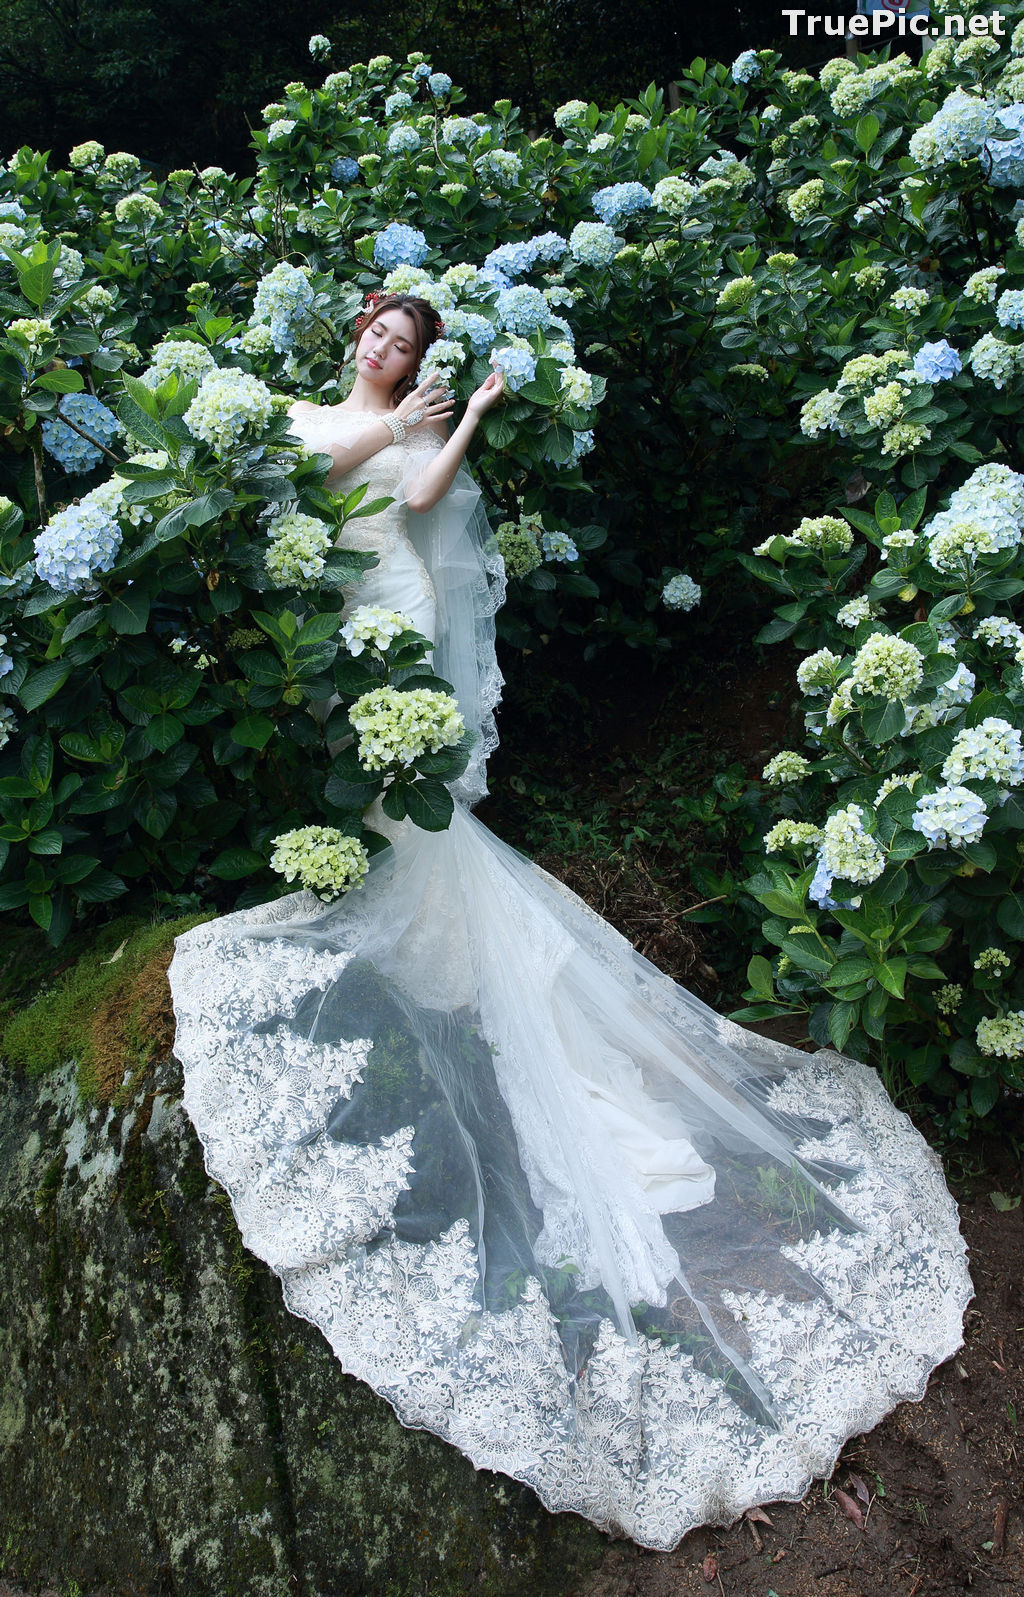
[439, 1184]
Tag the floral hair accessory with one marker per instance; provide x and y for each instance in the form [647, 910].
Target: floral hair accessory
[375, 298]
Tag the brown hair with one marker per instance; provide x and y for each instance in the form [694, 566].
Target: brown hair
[427, 326]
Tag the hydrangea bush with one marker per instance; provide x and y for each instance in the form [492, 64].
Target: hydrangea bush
[892, 880]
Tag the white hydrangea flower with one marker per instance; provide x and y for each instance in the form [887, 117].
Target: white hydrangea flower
[792, 834]
[912, 300]
[991, 750]
[841, 703]
[847, 850]
[395, 728]
[189, 361]
[981, 286]
[819, 413]
[1002, 1035]
[374, 626]
[953, 540]
[887, 666]
[673, 196]
[993, 962]
[990, 358]
[577, 386]
[950, 817]
[681, 593]
[322, 858]
[786, 766]
[817, 672]
[949, 998]
[229, 404]
[907, 779]
[806, 200]
[885, 406]
[296, 554]
[854, 612]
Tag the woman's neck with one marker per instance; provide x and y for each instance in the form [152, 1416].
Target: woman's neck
[369, 396]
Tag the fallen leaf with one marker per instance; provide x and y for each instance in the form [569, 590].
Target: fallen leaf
[758, 1514]
[116, 955]
[861, 1490]
[709, 1568]
[1000, 1201]
[849, 1508]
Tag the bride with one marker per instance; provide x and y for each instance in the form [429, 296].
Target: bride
[547, 1203]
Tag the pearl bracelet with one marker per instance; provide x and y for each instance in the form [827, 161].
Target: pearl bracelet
[397, 426]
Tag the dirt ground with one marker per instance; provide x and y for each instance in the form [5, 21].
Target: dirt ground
[929, 1504]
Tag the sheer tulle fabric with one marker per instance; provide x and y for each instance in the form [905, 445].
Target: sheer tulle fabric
[546, 1202]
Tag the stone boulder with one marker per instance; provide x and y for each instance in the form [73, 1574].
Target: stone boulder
[166, 1427]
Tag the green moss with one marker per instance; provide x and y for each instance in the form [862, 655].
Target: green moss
[107, 982]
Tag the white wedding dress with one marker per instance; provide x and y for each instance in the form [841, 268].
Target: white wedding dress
[547, 1203]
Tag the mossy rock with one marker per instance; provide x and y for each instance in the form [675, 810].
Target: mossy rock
[165, 1425]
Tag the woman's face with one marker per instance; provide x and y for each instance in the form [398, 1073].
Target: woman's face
[386, 348]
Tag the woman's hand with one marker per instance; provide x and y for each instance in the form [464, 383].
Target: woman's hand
[490, 391]
[428, 402]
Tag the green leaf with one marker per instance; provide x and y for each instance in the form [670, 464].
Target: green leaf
[232, 864]
[253, 731]
[100, 887]
[759, 976]
[144, 428]
[892, 973]
[42, 685]
[49, 841]
[61, 381]
[319, 628]
[129, 612]
[393, 803]
[985, 1095]
[430, 805]
[1010, 915]
[866, 132]
[841, 1020]
[884, 721]
[163, 731]
[854, 968]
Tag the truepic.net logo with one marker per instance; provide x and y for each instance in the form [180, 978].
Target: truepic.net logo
[881, 19]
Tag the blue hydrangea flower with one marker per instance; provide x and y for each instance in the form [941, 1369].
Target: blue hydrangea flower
[470, 324]
[403, 140]
[284, 298]
[523, 310]
[593, 244]
[439, 83]
[397, 102]
[421, 71]
[519, 367]
[745, 67]
[398, 244]
[1010, 308]
[935, 362]
[71, 451]
[680, 593]
[11, 211]
[512, 260]
[621, 199]
[559, 546]
[344, 169]
[76, 544]
[549, 246]
[1007, 155]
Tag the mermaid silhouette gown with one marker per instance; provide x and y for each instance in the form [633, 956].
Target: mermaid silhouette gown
[547, 1203]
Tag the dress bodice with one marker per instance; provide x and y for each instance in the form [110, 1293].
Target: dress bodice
[399, 581]
[383, 472]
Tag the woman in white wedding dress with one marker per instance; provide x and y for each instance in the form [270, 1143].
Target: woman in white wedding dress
[542, 1199]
